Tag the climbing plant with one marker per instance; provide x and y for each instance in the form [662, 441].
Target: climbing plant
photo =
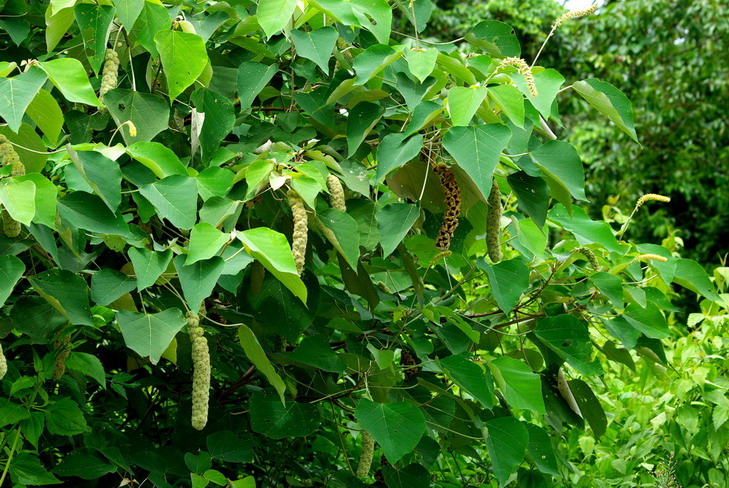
[277, 243]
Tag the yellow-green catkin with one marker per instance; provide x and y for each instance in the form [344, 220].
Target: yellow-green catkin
[3, 363]
[453, 206]
[587, 252]
[337, 193]
[301, 230]
[200, 371]
[524, 69]
[575, 14]
[651, 197]
[63, 349]
[110, 73]
[651, 257]
[365, 459]
[8, 156]
[493, 224]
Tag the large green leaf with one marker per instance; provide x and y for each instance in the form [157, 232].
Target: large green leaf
[464, 101]
[510, 101]
[101, 173]
[315, 351]
[496, 38]
[548, 84]
[160, 159]
[67, 292]
[470, 376]
[148, 112]
[152, 19]
[610, 101]
[11, 270]
[316, 45]
[69, 76]
[649, 320]
[692, 276]
[343, 232]
[397, 427]
[26, 469]
[508, 280]
[84, 463]
[29, 146]
[541, 450]
[46, 199]
[421, 62]
[395, 150]
[252, 78]
[198, 279]
[272, 250]
[47, 115]
[150, 334]
[18, 198]
[205, 242]
[361, 120]
[93, 21]
[218, 122]
[609, 285]
[128, 12]
[109, 284]
[149, 265]
[274, 15]
[175, 198]
[272, 418]
[567, 336]
[394, 221]
[586, 230]
[507, 442]
[258, 357]
[372, 61]
[477, 150]
[562, 167]
[373, 15]
[522, 387]
[589, 406]
[183, 57]
[18, 92]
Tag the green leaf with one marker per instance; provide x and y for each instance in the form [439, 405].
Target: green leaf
[522, 387]
[17, 93]
[18, 198]
[471, 377]
[128, 12]
[93, 22]
[532, 194]
[225, 446]
[649, 320]
[26, 469]
[569, 338]
[11, 413]
[205, 242]
[411, 476]
[315, 351]
[108, 284]
[423, 115]
[35, 157]
[508, 280]
[394, 221]
[507, 442]
[610, 286]
[372, 60]
[199, 279]
[46, 199]
[65, 418]
[149, 265]
[69, 76]
[57, 23]
[272, 250]
[277, 308]
[394, 151]
[586, 230]
[257, 356]
[477, 151]
[274, 15]
[692, 276]
[548, 84]
[589, 406]
[219, 119]
[47, 115]
[562, 167]
[397, 427]
[67, 292]
[83, 463]
[421, 62]
[158, 158]
[373, 15]
[184, 58]
[316, 45]
[343, 232]
[175, 198]
[610, 101]
[464, 101]
[150, 334]
[270, 417]
[101, 173]
[152, 19]
[541, 450]
[252, 78]
[87, 364]
[148, 112]
[89, 212]
[510, 101]
[11, 270]
[496, 38]
[214, 182]
[361, 120]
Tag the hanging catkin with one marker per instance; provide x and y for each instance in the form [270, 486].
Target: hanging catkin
[365, 459]
[63, 349]
[453, 206]
[8, 156]
[110, 73]
[493, 224]
[337, 193]
[587, 252]
[3, 363]
[301, 230]
[200, 371]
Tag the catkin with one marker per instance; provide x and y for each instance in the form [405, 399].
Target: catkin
[453, 206]
[337, 193]
[3, 363]
[575, 14]
[301, 230]
[63, 349]
[493, 224]
[650, 257]
[8, 156]
[651, 197]
[200, 371]
[110, 73]
[365, 460]
[587, 252]
[524, 69]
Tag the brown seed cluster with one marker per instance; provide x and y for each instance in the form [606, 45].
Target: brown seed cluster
[453, 206]
[493, 224]
[365, 460]
[337, 193]
[301, 230]
[200, 371]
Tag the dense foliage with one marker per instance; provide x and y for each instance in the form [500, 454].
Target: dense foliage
[277, 243]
